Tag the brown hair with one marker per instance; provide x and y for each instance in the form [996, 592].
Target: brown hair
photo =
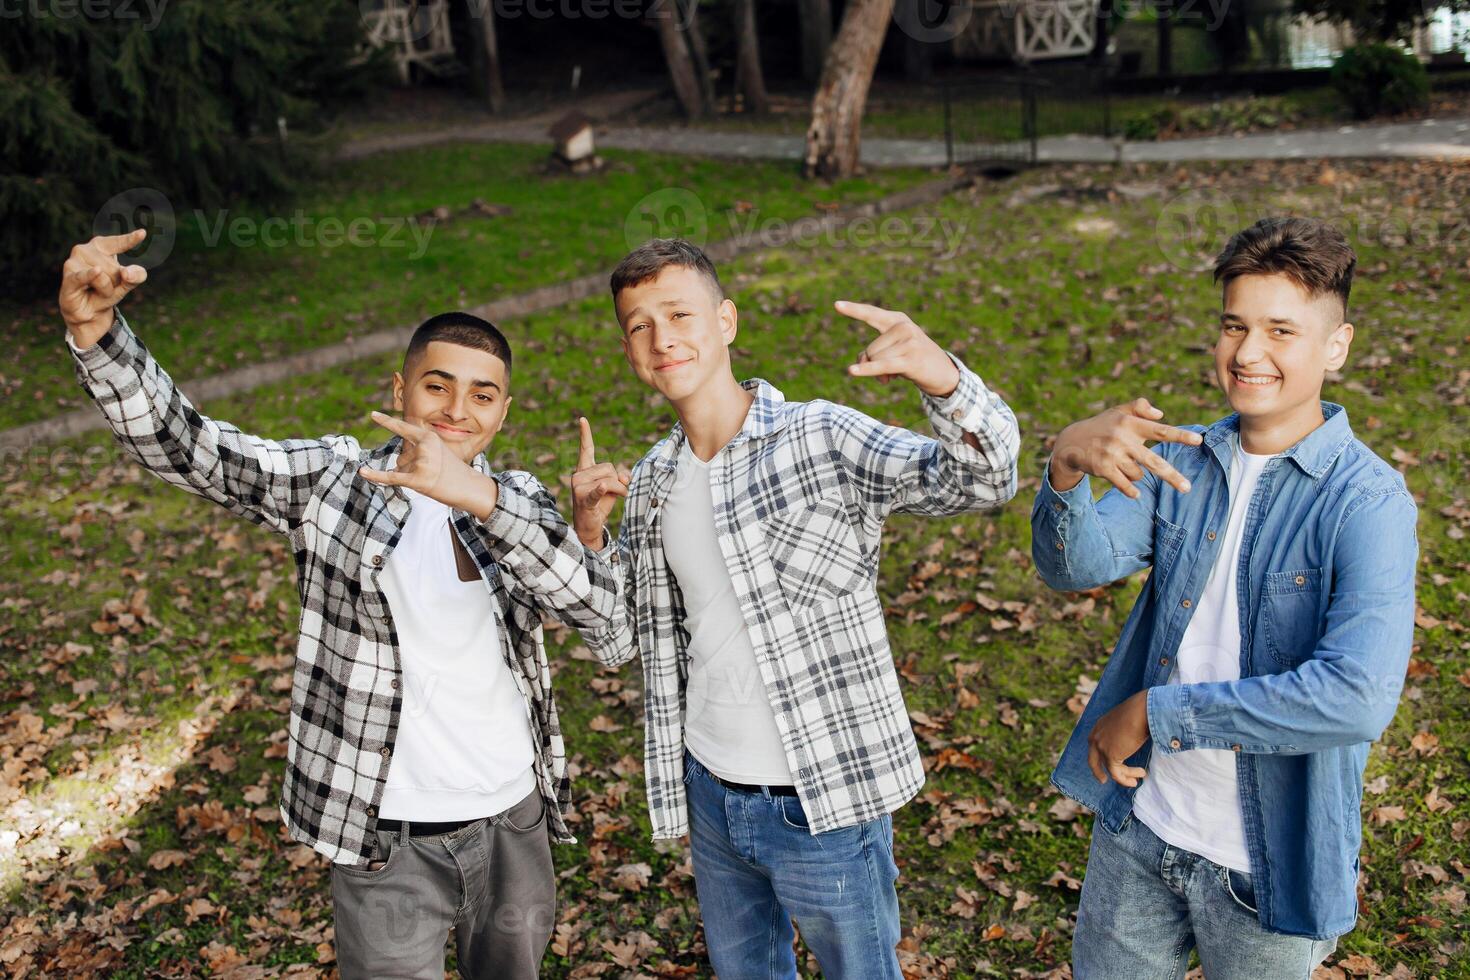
[657, 254]
[1310, 252]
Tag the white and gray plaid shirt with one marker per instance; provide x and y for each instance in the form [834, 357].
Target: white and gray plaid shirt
[800, 497]
[345, 696]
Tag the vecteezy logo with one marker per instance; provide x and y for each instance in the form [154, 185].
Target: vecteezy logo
[1193, 228]
[673, 212]
[937, 21]
[140, 207]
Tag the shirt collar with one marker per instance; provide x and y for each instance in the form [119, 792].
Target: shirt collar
[766, 417]
[1313, 455]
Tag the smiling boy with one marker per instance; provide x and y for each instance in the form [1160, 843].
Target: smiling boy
[777, 735]
[1223, 750]
[425, 757]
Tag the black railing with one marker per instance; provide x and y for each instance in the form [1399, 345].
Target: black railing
[1001, 119]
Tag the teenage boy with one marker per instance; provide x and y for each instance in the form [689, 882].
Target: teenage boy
[777, 735]
[425, 757]
[1223, 749]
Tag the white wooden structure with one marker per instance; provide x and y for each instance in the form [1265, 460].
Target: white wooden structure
[418, 36]
[1029, 30]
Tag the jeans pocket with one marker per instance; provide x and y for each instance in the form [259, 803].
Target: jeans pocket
[792, 814]
[527, 815]
[378, 868]
[1240, 889]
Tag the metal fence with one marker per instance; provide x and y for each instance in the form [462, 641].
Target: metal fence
[1000, 120]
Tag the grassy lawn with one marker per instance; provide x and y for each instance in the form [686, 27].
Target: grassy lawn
[214, 306]
[147, 636]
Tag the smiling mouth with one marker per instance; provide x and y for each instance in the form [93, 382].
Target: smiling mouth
[676, 364]
[449, 428]
[1255, 381]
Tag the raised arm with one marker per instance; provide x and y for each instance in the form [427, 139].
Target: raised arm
[970, 466]
[1077, 543]
[264, 480]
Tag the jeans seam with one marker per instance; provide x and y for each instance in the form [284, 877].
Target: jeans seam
[873, 878]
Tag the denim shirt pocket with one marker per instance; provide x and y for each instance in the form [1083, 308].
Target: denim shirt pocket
[1168, 539]
[1290, 619]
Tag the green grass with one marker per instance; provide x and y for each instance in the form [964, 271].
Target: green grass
[1062, 318]
[213, 307]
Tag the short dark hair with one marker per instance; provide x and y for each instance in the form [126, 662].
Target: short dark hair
[657, 254]
[464, 329]
[1310, 252]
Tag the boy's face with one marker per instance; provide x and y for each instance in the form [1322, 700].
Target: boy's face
[1277, 342]
[460, 392]
[676, 331]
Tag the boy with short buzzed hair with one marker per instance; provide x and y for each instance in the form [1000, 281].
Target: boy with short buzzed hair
[1223, 749]
[426, 759]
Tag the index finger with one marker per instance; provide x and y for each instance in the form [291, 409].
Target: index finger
[588, 455]
[873, 316]
[118, 244]
[398, 426]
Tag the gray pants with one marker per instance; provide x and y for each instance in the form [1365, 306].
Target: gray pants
[490, 882]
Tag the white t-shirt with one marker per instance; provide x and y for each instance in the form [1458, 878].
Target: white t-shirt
[1192, 799]
[464, 745]
[728, 722]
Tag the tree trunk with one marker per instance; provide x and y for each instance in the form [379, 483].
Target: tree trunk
[700, 52]
[832, 140]
[749, 81]
[676, 53]
[816, 35]
[489, 56]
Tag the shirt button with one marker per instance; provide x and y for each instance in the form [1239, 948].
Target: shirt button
[387, 620]
[386, 752]
[654, 503]
[372, 811]
[1173, 743]
[1059, 546]
[393, 683]
[1211, 535]
[1058, 506]
[956, 414]
[1235, 748]
[377, 560]
[1186, 603]
[1301, 580]
[1164, 661]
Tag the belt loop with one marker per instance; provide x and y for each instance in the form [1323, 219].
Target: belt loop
[403, 833]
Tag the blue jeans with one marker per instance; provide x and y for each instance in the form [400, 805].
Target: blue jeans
[757, 866]
[1146, 904]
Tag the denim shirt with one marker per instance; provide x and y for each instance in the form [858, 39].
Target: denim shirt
[1326, 593]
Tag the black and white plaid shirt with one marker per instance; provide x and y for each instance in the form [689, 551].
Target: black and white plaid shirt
[800, 497]
[346, 697]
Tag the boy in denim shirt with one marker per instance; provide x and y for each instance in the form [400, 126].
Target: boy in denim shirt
[1223, 750]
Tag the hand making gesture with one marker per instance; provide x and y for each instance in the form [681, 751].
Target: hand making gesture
[93, 282]
[426, 465]
[1110, 445]
[595, 488]
[901, 350]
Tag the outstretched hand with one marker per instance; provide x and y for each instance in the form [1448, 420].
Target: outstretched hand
[596, 487]
[93, 282]
[1111, 446]
[426, 465]
[901, 350]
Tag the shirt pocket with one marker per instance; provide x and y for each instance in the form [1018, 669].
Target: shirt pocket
[1168, 539]
[1290, 623]
[815, 552]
